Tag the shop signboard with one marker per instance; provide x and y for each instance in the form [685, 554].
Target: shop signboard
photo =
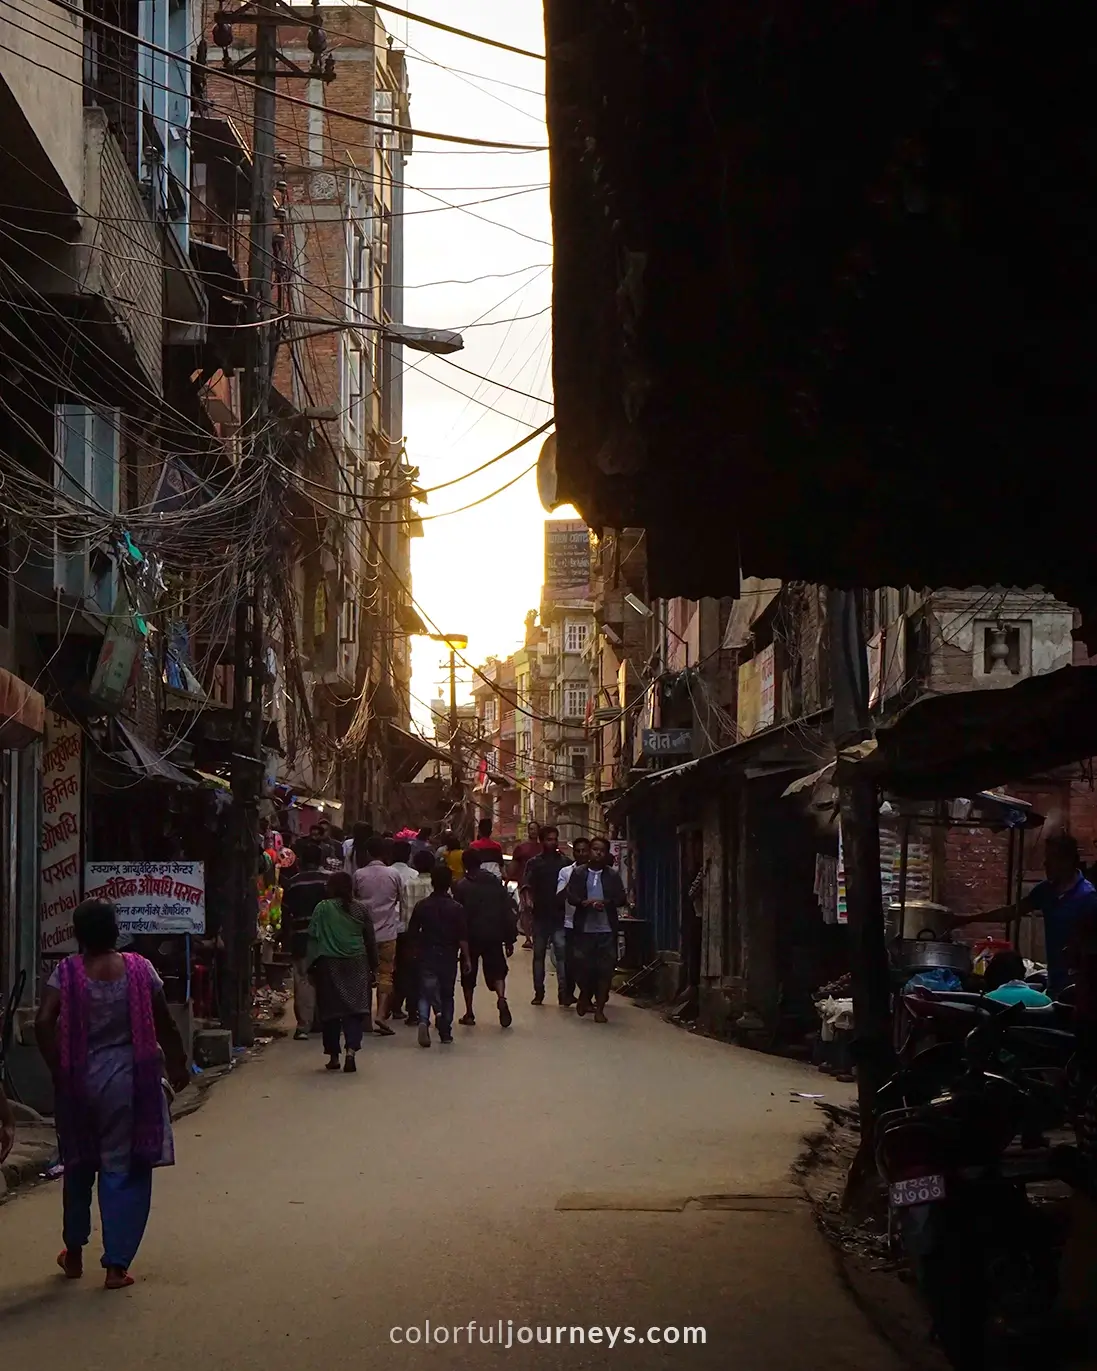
[567, 554]
[61, 814]
[748, 699]
[667, 742]
[767, 687]
[151, 897]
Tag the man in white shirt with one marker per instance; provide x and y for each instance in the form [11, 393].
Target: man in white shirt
[378, 887]
[565, 975]
[415, 885]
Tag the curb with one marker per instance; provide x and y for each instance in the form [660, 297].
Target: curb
[23, 1169]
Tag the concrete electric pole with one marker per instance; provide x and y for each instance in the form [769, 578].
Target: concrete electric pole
[264, 65]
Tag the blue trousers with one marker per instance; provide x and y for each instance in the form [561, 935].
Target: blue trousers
[436, 992]
[545, 937]
[124, 1202]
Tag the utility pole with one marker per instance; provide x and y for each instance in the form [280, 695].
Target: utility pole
[264, 64]
[454, 735]
[860, 820]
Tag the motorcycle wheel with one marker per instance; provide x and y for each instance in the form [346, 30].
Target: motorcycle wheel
[950, 1280]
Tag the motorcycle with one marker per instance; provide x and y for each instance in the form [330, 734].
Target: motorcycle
[979, 1250]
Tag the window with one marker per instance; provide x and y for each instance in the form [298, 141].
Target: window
[353, 366]
[576, 632]
[576, 698]
[348, 614]
[359, 270]
[525, 745]
[491, 712]
[87, 446]
[579, 759]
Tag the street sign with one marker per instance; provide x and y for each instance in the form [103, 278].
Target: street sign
[667, 742]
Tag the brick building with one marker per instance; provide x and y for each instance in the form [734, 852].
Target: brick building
[340, 274]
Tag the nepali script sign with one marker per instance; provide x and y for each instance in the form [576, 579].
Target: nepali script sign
[59, 865]
[151, 897]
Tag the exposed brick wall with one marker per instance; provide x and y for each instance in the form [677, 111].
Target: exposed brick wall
[975, 859]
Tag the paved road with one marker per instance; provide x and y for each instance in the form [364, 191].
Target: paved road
[311, 1213]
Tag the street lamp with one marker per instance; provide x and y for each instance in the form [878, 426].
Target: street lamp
[439, 341]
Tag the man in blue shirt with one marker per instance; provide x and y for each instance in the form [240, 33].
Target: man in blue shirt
[1062, 899]
[597, 893]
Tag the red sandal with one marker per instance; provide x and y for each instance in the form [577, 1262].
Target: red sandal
[71, 1263]
[117, 1279]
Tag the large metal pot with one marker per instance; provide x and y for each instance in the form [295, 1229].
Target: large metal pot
[928, 951]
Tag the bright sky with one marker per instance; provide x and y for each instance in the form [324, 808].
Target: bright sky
[480, 571]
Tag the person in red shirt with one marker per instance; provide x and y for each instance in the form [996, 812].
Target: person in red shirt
[520, 856]
[491, 854]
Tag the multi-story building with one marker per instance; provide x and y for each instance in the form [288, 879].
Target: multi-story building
[531, 698]
[493, 761]
[745, 697]
[568, 622]
[341, 277]
[120, 499]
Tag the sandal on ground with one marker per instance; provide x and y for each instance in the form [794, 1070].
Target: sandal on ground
[332, 1063]
[506, 1018]
[117, 1278]
[71, 1263]
[469, 1020]
[382, 1030]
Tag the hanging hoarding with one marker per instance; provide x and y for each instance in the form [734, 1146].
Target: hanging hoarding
[59, 867]
[567, 554]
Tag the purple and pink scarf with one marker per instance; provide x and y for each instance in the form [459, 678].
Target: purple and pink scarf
[75, 1122]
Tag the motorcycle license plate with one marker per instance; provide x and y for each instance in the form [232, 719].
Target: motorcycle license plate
[917, 1190]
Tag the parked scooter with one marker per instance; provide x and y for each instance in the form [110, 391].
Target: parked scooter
[977, 1246]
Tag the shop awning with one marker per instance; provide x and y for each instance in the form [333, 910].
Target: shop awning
[144, 761]
[792, 746]
[22, 712]
[963, 743]
[408, 753]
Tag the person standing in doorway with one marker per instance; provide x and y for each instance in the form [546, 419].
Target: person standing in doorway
[378, 887]
[491, 918]
[541, 877]
[520, 856]
[439, 931]
[598, 894]
[491, 854]
[108, 1037]
[300, 896]
[581, 853]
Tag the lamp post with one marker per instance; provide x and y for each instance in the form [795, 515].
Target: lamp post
[646, 612]
[439, 341]
[455, 642]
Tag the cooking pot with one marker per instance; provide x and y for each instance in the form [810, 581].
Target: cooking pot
[928, 951]
[918, 916]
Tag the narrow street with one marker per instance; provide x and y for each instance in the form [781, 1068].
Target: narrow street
[311, 1213]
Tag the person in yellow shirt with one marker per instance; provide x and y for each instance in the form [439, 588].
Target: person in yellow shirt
[453, 855]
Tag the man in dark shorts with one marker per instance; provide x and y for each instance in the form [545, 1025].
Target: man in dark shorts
[439, 932]
[492, 928]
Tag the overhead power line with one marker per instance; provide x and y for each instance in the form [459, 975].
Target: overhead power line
[460, 33]
[350, 118]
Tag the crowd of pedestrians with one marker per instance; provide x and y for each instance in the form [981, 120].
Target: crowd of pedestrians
[381, 935]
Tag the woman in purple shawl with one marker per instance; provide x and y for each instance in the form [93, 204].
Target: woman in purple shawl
[107, 1035]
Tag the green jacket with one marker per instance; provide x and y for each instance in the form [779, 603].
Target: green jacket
[337, 930]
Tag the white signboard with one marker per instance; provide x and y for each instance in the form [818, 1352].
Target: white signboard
[151, 897]
[60, 858]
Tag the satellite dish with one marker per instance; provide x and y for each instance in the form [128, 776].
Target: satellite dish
[546, 474]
